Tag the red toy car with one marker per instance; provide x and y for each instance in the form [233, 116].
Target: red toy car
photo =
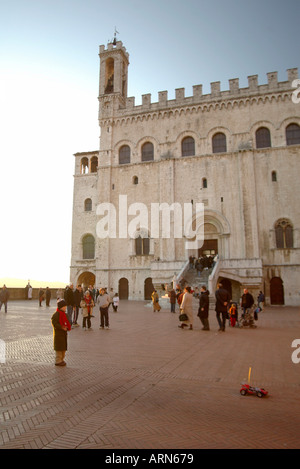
[247, 389]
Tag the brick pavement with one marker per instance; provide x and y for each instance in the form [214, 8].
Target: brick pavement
[146, 384]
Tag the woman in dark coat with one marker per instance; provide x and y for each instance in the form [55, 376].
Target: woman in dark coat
[204, 307]
[60, 325]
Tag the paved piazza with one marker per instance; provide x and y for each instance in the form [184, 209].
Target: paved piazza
[145, 384]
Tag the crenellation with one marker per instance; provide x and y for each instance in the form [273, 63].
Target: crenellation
[272, 85]
[215, 89]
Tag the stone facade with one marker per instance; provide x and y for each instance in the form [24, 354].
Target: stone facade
[237, 152]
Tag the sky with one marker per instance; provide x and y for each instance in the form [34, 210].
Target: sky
[49, 75]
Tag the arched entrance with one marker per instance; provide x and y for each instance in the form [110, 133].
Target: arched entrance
[148, 288]
[276, 291]
[123, 289]
[86, 278]
[226, 285]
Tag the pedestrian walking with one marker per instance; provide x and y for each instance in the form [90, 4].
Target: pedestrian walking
[222, 302]
[61, 326]
[87, 304]
[103, 303]
[204, 308]
[4, 297]
[186, 307]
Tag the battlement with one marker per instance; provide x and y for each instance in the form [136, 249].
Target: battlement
[253, 89]
[112, 47]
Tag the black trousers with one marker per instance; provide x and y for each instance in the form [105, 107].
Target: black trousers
[223, 321]
[104, 317]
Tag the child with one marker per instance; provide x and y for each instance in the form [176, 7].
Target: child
[233, 314]
[60, 325]
[116, 302]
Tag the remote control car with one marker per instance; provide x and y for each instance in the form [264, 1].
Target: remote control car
[247, 389]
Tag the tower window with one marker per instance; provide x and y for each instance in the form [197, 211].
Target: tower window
[292, 134]
[84, 166]
[274, 176]
[135, 180]
[88, 247]
[219, 143]
[88, 205]
[109, 76]
[188, 147]
[124, 154]
[263, 138]
[148, 152]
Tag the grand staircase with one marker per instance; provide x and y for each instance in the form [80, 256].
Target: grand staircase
[193, 280]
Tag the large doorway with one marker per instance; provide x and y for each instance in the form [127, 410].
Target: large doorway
[148, 288]
[209, 248]
[86, 279]
[276, 291]
[123, 289]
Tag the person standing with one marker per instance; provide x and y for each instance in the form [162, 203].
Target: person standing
[116, 301]
[4, 297]
[29, 292]
[222, 302]
[48, 296]
[172, 296]
[87, 304]
[247, 301]
[69, 299]
[103, 302]
[187, 308]
[204, 308]
[77, 297]
[41, 296]
[155, 301]
[61, 326]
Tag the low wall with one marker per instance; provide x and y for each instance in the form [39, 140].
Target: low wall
[21, 293]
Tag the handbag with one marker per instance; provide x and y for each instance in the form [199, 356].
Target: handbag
[183, 317]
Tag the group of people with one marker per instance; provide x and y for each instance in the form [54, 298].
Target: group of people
[202, 263]
[66, 315]
[225, 308]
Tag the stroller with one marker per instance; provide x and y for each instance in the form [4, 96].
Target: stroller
[247, 318]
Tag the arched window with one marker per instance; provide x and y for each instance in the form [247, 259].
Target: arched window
[204, 183]
[135, 180]
[88, 205]
[84, 166]
[109, 76]
[94, 164]
[292, 134]
[274, 176]
[124, 154]
[284, 234]
[142, 246]
[88, 247]
[188, 146]
[263, 138]
[219, 143]
[147, 152]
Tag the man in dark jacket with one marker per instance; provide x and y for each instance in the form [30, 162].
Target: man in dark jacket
[222, 302]
[204, 307]
[247, 301]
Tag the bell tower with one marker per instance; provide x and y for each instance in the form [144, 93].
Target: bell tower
[113, 83]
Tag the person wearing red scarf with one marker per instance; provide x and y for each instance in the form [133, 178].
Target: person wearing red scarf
[61, 326]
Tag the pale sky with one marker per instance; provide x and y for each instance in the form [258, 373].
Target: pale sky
[49, 72]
